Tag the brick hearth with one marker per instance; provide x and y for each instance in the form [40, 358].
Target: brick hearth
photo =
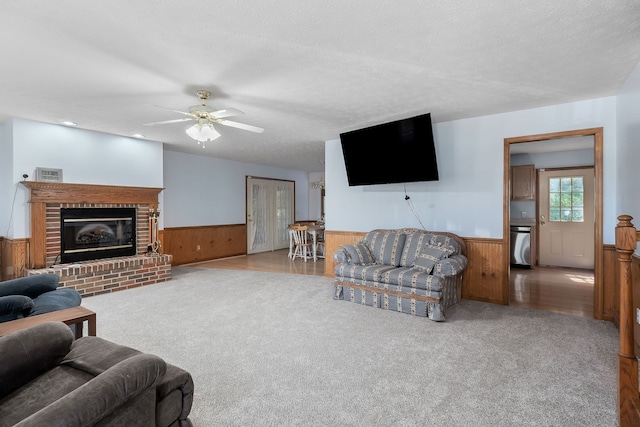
[112, 274]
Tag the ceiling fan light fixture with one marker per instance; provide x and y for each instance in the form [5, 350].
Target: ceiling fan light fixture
[202, 132]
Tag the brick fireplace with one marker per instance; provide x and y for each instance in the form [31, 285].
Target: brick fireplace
[102, 274]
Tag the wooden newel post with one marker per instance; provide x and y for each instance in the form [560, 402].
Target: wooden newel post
[628, 397]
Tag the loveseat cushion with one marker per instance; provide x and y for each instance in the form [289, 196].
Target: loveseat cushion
[360, 273]
[388, 277]
[112, 390]
[412, 246]
[416, 240]
[406, 278]
[358, 254]
[385, 246]
[429, 255]
[444, 240]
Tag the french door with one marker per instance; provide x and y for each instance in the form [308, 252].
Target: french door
[270, 210]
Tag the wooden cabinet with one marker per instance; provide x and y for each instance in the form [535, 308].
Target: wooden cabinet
[523, 182]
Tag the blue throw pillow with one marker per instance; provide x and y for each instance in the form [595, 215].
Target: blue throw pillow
[429, 255]
[358, 254]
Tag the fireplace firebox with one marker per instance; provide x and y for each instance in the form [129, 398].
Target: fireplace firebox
[94, 233]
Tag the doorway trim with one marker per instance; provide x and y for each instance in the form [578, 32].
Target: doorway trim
[597, 133]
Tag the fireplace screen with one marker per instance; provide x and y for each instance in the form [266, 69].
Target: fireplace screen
[94, 233]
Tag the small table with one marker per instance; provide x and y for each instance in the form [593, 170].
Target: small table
[70, 316]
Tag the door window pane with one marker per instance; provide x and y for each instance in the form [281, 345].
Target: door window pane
[566, 199]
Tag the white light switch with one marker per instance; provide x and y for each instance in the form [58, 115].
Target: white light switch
[638, 315]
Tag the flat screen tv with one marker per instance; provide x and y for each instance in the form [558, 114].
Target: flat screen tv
[391, 153]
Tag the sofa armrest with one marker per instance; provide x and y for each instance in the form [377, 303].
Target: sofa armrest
[14, 307]
[100, 397]
[31, 286]
[450, 266]
[26, 354]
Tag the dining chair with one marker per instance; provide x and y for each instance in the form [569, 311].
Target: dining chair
[291, 244]
[320, 248]
[302, 245]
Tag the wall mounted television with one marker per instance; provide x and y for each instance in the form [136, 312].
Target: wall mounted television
[391, 153]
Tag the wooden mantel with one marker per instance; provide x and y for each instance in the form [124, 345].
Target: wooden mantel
[58, 192]
[43, 193]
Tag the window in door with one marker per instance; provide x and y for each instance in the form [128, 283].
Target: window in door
[566, 199]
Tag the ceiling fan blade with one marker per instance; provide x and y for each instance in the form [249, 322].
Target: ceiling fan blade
[241, 126]
[186, 119]
[227, 112]
[175, 111]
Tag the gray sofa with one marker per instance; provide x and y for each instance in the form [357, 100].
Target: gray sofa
[33, 295]
[408, 270]
[48, 379]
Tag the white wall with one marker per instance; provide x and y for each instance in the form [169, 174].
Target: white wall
[199, 190]
[555, 159]
[468, 198]
[6, 172]
[315, 195]
[85, 157]
[628, 101]
[203, 190]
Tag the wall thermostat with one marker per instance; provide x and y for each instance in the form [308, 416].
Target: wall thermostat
[48, 175]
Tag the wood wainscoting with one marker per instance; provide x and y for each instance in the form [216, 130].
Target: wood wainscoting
[202, 243]
[487, 275]
[332, 242]
[14, 257]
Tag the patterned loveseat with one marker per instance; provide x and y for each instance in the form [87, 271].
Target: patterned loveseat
[408, 270]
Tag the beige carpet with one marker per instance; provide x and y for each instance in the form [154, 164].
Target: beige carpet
[268, 349]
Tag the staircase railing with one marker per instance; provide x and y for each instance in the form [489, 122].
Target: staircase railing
[627, 238]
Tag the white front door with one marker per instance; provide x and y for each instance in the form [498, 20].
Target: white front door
[270, 209]
[567, 218]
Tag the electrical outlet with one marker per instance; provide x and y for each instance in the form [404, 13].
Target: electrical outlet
[197, 247]
[524, 214]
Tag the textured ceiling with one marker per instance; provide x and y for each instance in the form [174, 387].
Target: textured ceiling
[304, 71]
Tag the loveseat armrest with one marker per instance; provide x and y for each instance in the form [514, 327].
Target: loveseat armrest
[340, 256]
[28, 353]
[451, 266]
[14, 307]
[103, 395]
[354, 254]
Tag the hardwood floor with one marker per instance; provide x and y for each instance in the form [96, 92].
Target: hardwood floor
[276, 262]
[560, 290]
[556, 289]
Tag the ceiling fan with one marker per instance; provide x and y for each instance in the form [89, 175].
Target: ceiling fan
[205, 117]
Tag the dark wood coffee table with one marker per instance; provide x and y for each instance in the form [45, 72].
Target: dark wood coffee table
[70, 316]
